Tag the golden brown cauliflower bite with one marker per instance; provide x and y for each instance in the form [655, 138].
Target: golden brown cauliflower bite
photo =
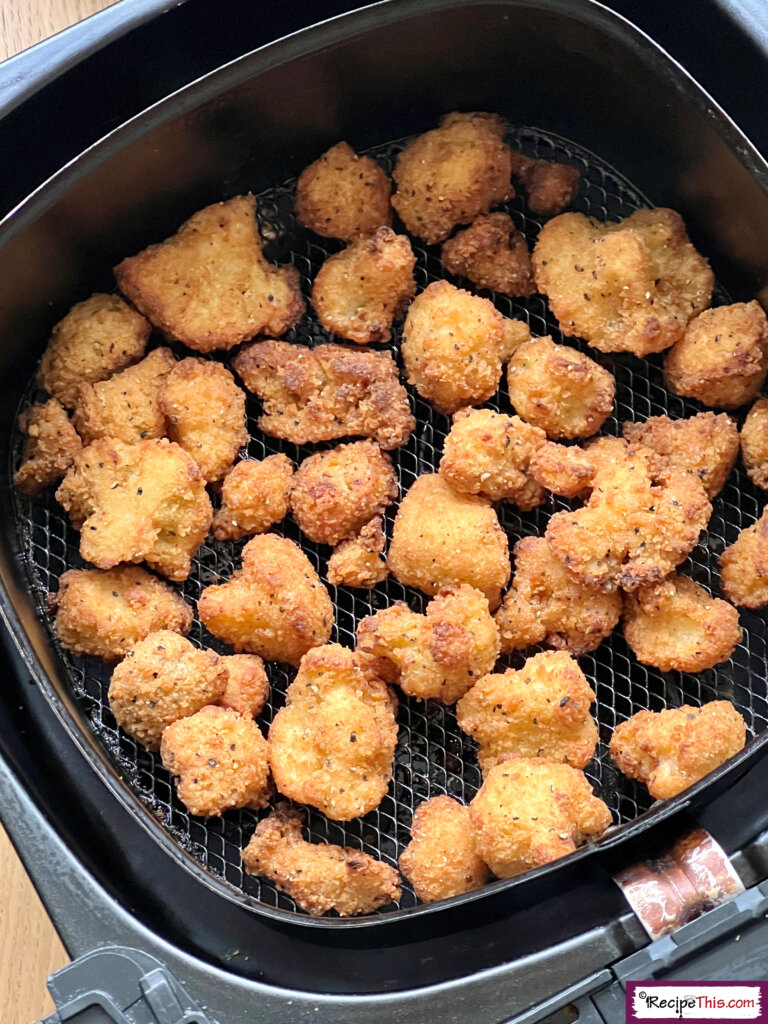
[343, 195]
[127, 406]
[744, 566]
[137, 502]
[440, 654]
[670, 750]
[254, 496]
[333, 744]
[359, 292]
[441, 859]
[219, 759]
[630, 286]
[754, 443]
[561, 390]
[95, 339]
[247, 685]
[336, 492]
[530, 812]
[327, 392]
[451, 174]
[547, 604]
[722, 359]
[540, 710]
[161, 679]
[491, 253]
[452, 344]
[678, 625]
[441, 538]
[50, 447]
[209, 285]
[568, 470]
[550, 186]
[357, 561]
[274, 606]
[105, 613]
[516, 333]
[318, 876]
[489, 454]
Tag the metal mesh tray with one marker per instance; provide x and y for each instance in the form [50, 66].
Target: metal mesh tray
[433, 756]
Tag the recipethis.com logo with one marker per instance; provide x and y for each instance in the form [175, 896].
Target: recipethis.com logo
[697, 1000]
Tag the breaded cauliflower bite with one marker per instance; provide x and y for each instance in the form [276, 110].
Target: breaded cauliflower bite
[320, 877]
[127, 406]
[343, 195]
[744, 566]
[530, 812]
[559, 389]
[440, 654]
[333, 744]
[491, 253]
[442, 538]
[451, 174]
[206, 414]
[359, 292]
[50, 447]
[336, 492]
[137, 502]
[516, 333]
[441, 859]
[678, 625]
[722, 359]
[550, 186]
[327, 392]
[95, 339]
[357, 561]
[670, 750]
[161, 679]
[630, 286]
[754, 443]
[568, 470]
[254, 496]
[541, 710]
[247, 685]
[452, 343]
[548, 604]
[705, 445]
[106, 613]
[209, 285]
[489, 454]
[274, 606]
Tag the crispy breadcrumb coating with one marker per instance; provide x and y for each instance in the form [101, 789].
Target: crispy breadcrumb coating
[516, 333]
[744, 566]
[441, 859]
[336, 492]
[629, 286]
[105, 613]
[318, 876]
[705, 445]
[247, 685]
[342, 195]
[327, 392]
[541, 710]
[670, 750]
[678, 625]
[254, 496]
[209, 285]
[161, 679]
[274, 606]
[137, 502]
[451, 174]
[333, 744]
[491, 253]
[440, 654]
[572, 470]
[359, 292]
[442, 538]
[206, 414]
[94, 340]
[754, 443]
[357, 561]
[530, 812]
[548, 604]
[550, 186]
[722, 359]
[50, 447]
[127, 406]
[452, 343]
[489, 454]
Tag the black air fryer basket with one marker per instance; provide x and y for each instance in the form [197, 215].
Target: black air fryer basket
[118, 859]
